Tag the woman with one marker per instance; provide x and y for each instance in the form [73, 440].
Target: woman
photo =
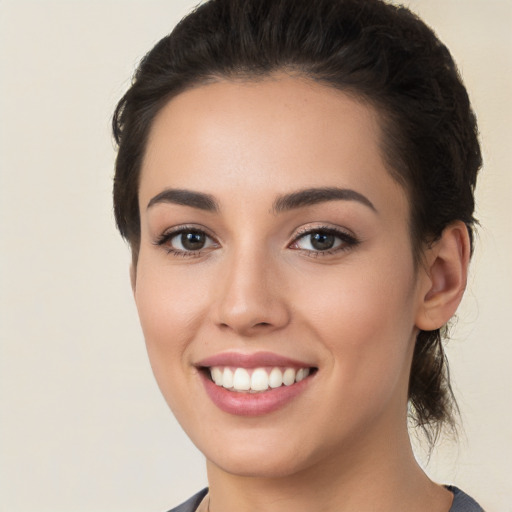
[295, 180]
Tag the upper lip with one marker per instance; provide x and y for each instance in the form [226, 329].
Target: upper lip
[255, 360]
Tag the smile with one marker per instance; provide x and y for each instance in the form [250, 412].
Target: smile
[256, 380]
[254, 384]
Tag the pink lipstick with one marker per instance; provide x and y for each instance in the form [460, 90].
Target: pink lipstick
[253, 384]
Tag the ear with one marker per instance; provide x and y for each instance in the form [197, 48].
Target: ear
[445, 273]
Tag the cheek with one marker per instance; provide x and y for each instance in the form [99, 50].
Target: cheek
[170, 307]
[365, 317]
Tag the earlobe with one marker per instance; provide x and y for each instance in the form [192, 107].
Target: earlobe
[445, 277]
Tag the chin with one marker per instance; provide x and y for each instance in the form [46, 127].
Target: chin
[262, 466]
[249, 456]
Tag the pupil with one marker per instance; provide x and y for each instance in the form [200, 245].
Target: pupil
[322, 241]
[193, 241]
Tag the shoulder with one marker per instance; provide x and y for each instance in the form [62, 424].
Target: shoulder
[462, 502]
[192, 503]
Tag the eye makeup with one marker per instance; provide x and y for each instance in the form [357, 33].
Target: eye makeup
[191, 241]
[323, 241]
[186, 241]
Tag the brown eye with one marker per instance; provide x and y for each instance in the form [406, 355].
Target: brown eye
[192, 241]
[322, 241]
[186, 242]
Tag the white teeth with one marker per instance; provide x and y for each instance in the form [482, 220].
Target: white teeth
[227, 378]
[259, 379]
[217, 375]
[275, 379]
[289, 376]
[241, 380]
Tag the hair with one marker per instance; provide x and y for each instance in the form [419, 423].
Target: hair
[381, 54]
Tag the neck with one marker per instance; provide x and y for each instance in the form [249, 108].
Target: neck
[365, 476]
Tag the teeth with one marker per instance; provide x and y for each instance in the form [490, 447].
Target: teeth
[259, 379]
[217, 375]
[227, 378]
[302, 374]
[289, 376]
[242, 380]
[275, 379]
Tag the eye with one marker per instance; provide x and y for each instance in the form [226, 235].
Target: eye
[323, 240]
[189, 241]
[186, 241]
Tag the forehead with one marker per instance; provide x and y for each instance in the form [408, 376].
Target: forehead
[270, 135]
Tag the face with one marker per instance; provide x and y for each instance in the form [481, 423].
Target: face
[275, 283]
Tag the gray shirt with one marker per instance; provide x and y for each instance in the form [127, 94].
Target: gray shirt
[461, 502]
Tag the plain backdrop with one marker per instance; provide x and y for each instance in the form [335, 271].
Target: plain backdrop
[83, 426]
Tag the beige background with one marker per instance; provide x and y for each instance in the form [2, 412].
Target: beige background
[83, 426]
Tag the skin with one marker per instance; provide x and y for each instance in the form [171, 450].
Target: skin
[257, 285]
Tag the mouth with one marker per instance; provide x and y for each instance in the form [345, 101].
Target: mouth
[254, 384]
[256, 380]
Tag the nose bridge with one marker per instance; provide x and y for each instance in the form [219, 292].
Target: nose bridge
[249, 299]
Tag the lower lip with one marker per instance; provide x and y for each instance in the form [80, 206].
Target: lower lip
[252, 404]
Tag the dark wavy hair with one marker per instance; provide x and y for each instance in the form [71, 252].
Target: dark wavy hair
[382, 54]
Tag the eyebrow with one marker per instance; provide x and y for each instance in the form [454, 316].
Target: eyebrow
[299, 199]
[312, 196]
[186, 198]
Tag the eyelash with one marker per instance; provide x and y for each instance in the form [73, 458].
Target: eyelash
[165, 238]
[348, 241]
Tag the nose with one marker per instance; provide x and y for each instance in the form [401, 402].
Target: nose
[250, 298]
